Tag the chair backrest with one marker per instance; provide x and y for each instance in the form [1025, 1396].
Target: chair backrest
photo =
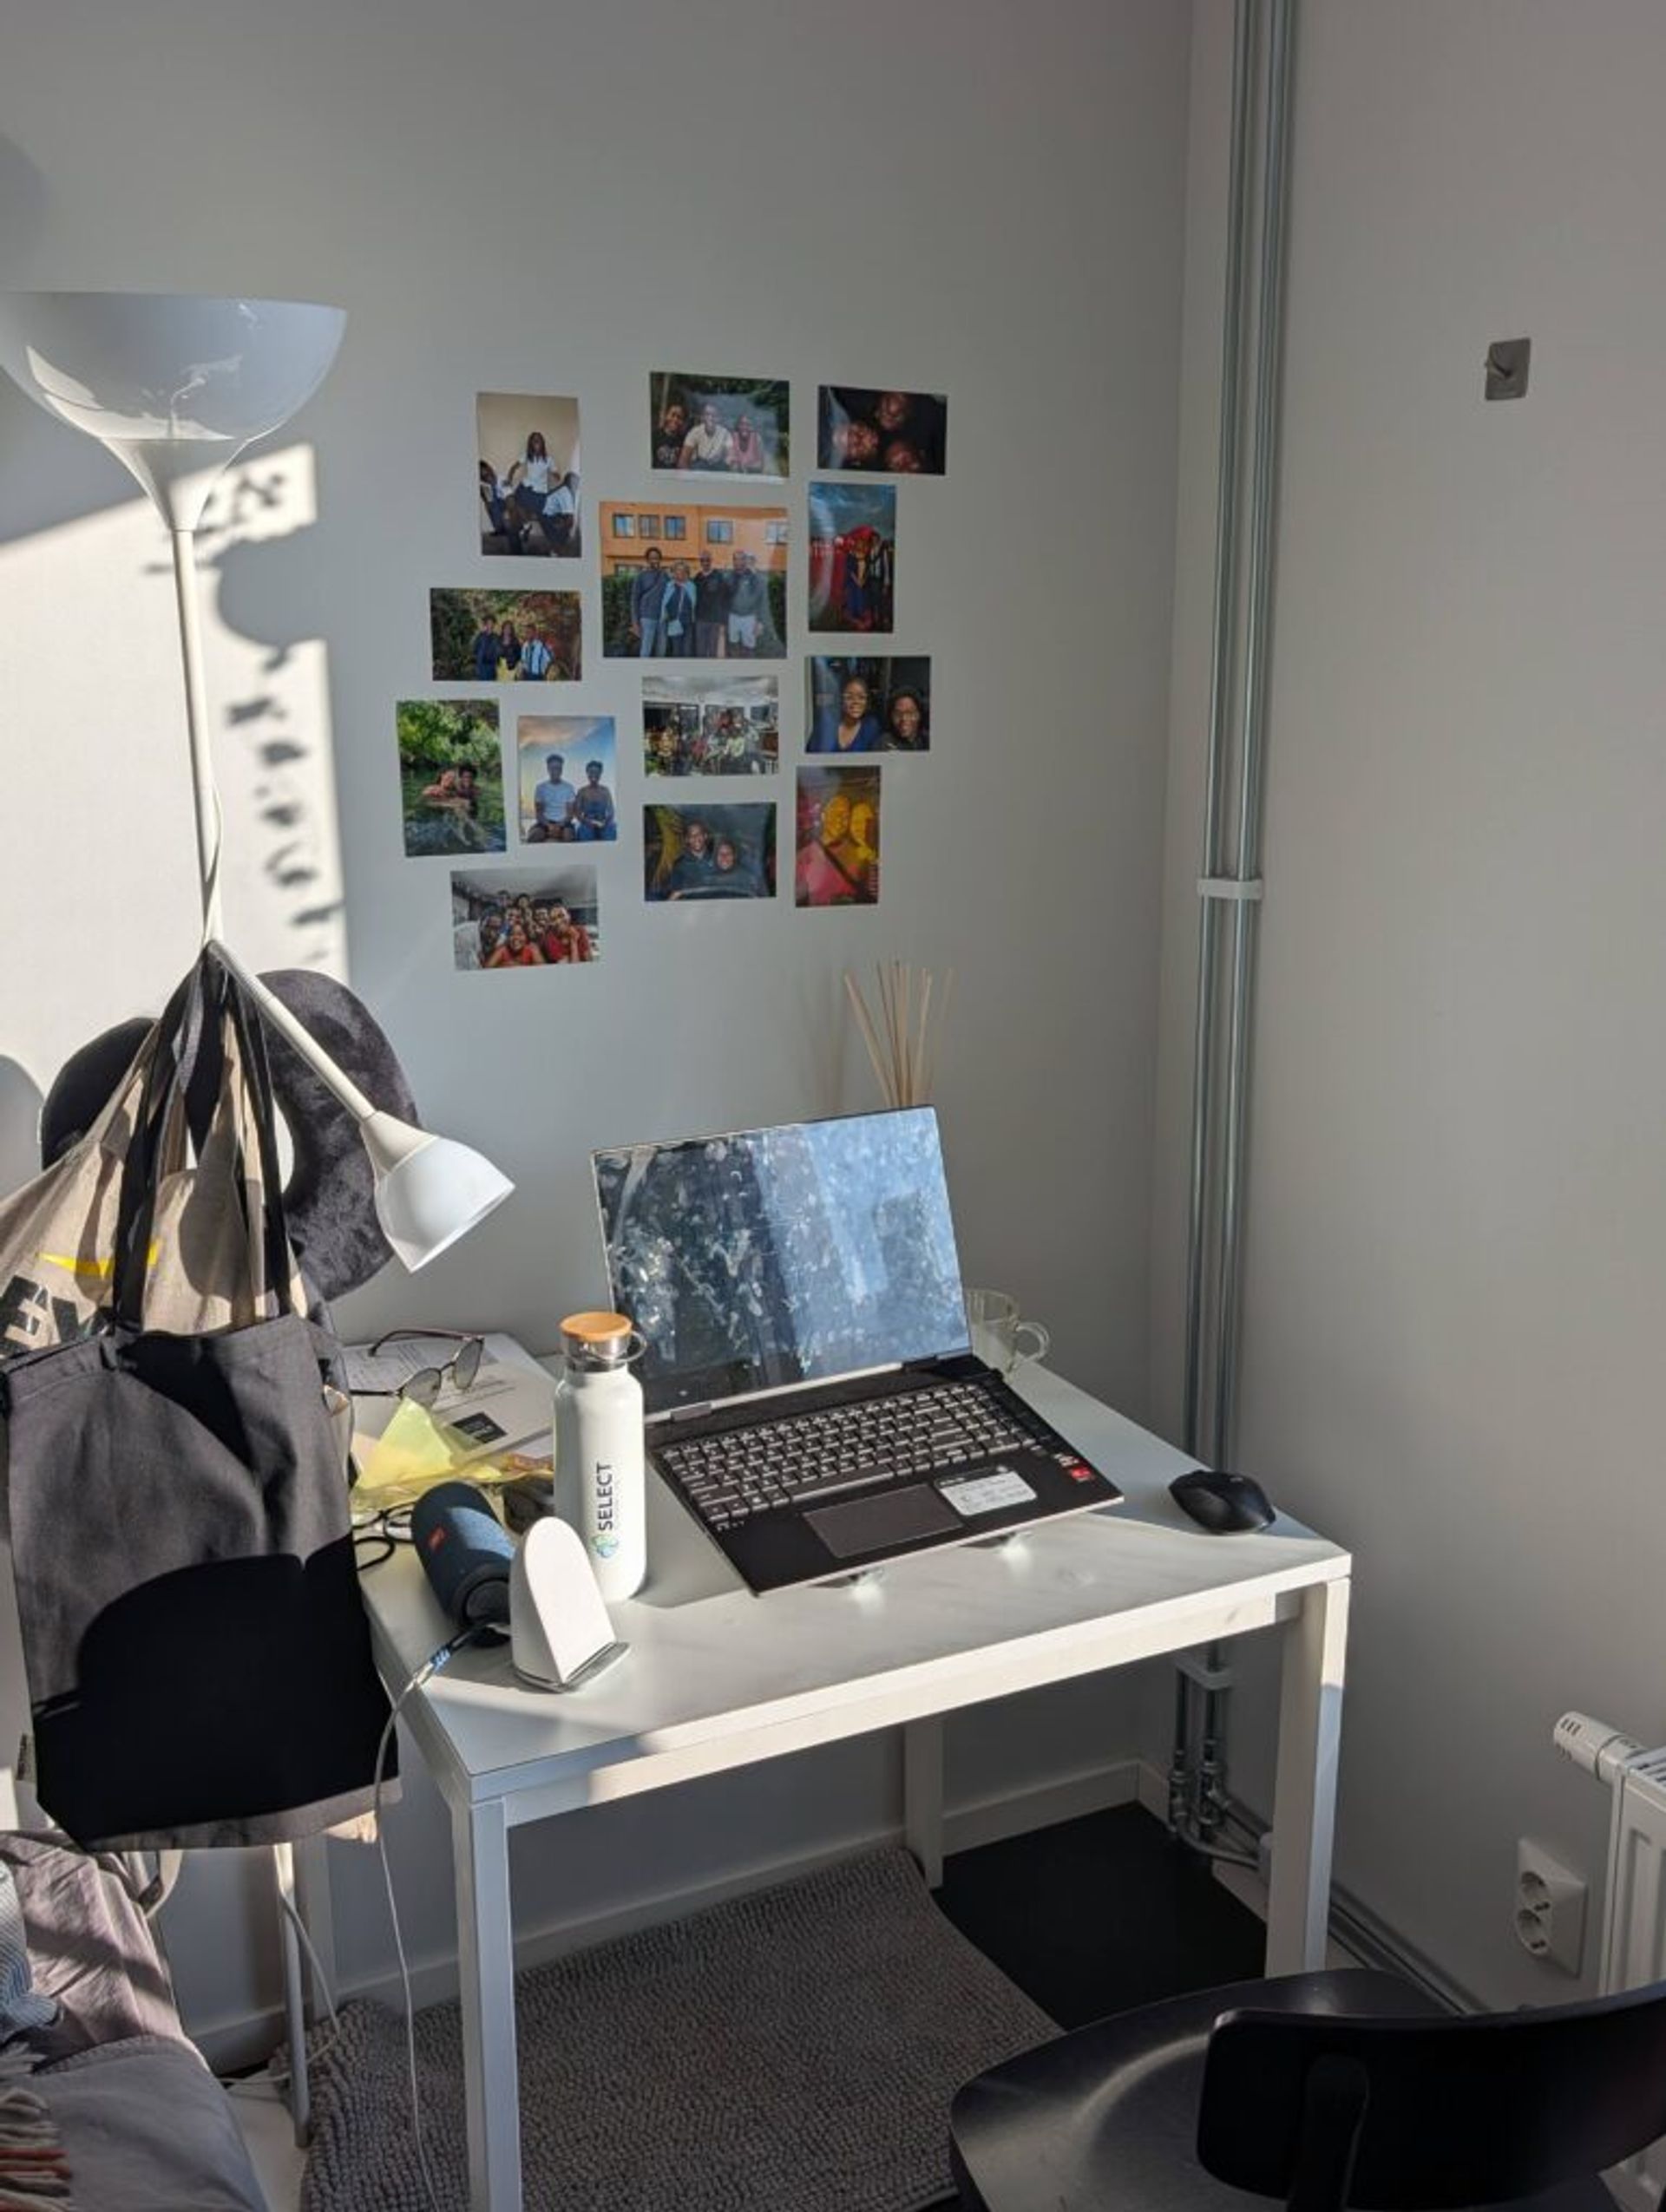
[1325, 2112]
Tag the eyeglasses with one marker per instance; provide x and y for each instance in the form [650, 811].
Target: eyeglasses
[423, 1387]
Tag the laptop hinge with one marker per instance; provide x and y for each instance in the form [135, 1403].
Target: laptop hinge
[681, 1413]
[757, 1403]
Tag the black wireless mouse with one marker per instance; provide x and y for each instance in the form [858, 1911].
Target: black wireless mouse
[1226, 1505]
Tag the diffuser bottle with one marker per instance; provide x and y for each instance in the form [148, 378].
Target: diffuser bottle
[599, 1438]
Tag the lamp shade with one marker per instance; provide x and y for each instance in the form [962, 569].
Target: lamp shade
[430, 1190]
[173, 385]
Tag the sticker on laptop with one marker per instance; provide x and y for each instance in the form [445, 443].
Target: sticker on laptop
[971, 1494]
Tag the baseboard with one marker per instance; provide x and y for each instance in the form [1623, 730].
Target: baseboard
[1358, 1937]
[231, 2044]
[1249, 1888]
[992, 1819]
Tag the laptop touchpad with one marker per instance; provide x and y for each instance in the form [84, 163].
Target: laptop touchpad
[869, 1524]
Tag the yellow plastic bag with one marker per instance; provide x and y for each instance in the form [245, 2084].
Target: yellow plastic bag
[415, 1450]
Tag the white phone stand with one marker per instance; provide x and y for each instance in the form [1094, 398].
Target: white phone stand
[559, 1632]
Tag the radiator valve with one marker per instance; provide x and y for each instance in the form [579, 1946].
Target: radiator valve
[1592, 1744]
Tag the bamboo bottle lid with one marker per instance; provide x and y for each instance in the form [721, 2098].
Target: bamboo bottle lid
[602, 1339]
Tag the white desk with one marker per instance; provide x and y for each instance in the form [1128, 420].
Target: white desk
[716, 1678]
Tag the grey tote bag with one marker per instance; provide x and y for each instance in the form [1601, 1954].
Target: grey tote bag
[198, 1655]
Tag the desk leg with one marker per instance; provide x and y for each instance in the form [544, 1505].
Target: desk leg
[316, 1903]
[922, 1797]
[1309, 1729]
[480, 1842]
[301, 2093]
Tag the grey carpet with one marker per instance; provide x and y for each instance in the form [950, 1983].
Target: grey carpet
[794, 2050]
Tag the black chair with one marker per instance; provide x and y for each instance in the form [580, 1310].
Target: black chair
[1323, 2090]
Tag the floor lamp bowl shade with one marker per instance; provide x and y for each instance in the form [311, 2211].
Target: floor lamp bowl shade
[174, 384]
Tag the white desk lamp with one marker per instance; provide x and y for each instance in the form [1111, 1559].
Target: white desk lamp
[176, 388]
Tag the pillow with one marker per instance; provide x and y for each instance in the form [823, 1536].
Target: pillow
[90, 1947]
[23, 2012]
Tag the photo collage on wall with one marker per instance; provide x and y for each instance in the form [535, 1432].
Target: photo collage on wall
[693, 578]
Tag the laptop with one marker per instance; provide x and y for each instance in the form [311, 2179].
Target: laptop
[812, 1394]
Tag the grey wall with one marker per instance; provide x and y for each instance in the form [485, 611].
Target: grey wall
[1455, 1273]
[520, 197]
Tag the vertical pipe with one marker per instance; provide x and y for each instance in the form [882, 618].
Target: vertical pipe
[1180, 1757]
[1220, 678]
[1258, 626]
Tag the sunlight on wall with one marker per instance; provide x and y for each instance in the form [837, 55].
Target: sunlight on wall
[100, 911]
[282, 866]
[99, 904]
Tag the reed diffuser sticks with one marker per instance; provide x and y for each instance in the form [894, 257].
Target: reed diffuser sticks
[902, 1030]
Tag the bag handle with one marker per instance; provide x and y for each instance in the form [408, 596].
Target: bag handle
[136, 1206]
[249, 1028]
[157, 1098]
[191, 1067]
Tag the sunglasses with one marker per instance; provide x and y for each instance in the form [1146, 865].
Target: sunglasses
[424, 1386]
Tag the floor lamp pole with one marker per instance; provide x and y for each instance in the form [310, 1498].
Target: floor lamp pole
[176, 387]
[204, 791]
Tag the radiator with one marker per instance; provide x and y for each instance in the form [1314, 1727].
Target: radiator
[1633, 1931]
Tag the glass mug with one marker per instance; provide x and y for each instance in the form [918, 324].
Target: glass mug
[997, 1333]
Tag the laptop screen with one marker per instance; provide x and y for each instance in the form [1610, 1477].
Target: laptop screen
[782, 1256]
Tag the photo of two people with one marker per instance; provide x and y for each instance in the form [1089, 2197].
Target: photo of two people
[693, 583]
[529, 501]
[852, 556]
[707, 853]
[567, 779]
[874, 704]
[450, 776]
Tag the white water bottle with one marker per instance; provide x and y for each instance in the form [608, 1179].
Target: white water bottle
[598, 1438]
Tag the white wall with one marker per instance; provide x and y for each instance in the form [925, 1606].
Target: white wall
[974, 198]
[1456, 1262]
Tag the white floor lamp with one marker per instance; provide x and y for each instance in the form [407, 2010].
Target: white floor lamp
[176, 387]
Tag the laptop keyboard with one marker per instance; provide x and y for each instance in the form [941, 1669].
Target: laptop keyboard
[805, 1457]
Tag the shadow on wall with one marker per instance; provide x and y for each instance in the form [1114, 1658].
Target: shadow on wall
[268, 696]
[253, 557]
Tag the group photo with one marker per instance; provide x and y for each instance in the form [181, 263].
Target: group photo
[529, 501]
[566, 764]
[875, 704]
[836, 860]
[852, 556]
[505, 637]
[719, 426]
[693, 583]
[701, 852]
[888, 434]
[704, 724]
[504, 920]
[450, 776]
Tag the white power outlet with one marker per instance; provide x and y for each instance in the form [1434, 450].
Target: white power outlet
[1549, 1907]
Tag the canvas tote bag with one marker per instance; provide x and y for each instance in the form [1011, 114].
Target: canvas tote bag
[198, 1655]
[57, 1234]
